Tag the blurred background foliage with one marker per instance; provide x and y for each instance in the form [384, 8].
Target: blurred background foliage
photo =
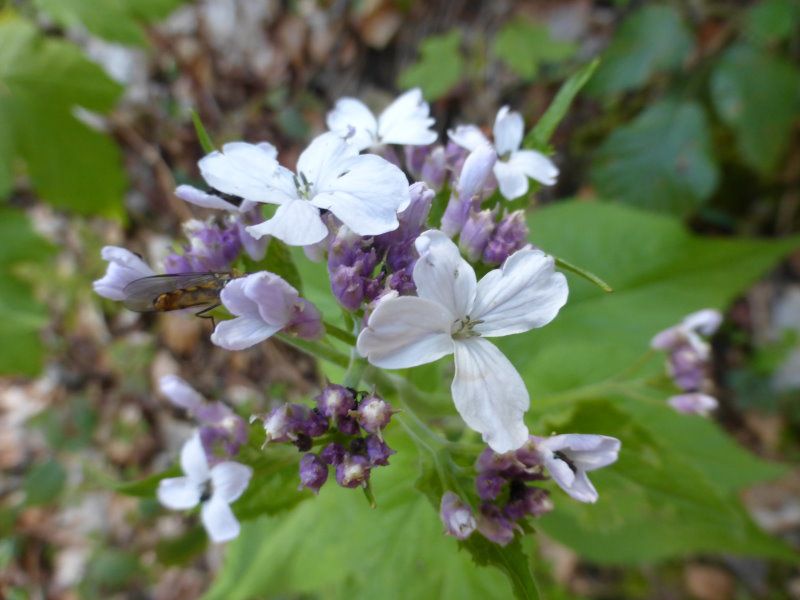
[682, 162]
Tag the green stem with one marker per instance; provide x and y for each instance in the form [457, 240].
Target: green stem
[339, 334]
[355, 370]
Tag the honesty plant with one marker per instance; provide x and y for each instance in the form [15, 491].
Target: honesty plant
[421, 268]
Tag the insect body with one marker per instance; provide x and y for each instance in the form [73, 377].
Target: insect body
[161, 293]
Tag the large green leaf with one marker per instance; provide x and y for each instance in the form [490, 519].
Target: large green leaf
[21, 349]
[673, 490]
[114, 20]
[439, 68]
[42, 82]
[652, 40]
[661, 160]
[525, 46]
[336, 546]
[771, 21]
[760, 109]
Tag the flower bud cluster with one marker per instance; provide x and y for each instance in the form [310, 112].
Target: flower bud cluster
[483, 238]
[352, 424]
[211, 247]
[506, 496]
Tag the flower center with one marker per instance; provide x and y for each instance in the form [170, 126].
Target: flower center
[464, 328]
[304, 187]
[205, 495]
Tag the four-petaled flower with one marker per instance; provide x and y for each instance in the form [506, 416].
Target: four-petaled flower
[365, 192]
[514, 166]
[215, 488]
[569, 457]
[404, 121]
[453, 313]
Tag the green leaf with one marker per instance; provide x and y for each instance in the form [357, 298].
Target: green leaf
[652, 40]
[539, 136]
[146, 488]
[202, 135]
[44, 482]
[439, 68]
[661, 160]
[114, 20]
[525, 45]
[771, 21]
[761, 110]
[180, 550]
[336, 546]
[42, 82]
[21, 253]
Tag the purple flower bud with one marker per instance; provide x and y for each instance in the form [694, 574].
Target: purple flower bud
[373, 414]
[377, 451]
[476, 233]
[693, 404]
[457, 516]
[688, 367]
[510, 235]
[402, 282]
[494, 525]
[434, 170]
[313, 473]
[351, 262]
[491, 462]
[527, 501]
[455, 215]
[210, 248]
[306, 321]
[415, 157]
[347, 425]
[353, 471]
[335, 401]
[332, 454]
[455, 156]
[476, 171]
[283, 423]
[489, 485]
[316, 424]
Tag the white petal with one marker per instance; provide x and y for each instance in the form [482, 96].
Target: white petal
[405, 332]
[705, 321]
[477, 168]
[219, 521]
[229, 480]
[123, 267]
[525, 293]
[442, 275]
[192, 195]
[296, 223]
[490, 395]
[193, 459]
[325, 159]
[581, 489]
[367, 196]
[241, 169]
[234, 298]
[242, 332]
[351, 116]
[512, 182]
[179, 493]
[407, 121]
[508, 131]
[559, 470]
[535, 165]
[586, 451]
[695, 403]
[668, 338]
[180, 393]
[468, 136]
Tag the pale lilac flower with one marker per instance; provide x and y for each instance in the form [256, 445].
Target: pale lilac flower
[514, 166]
[405, 121]
[510, 235]
[456, 516]
[570, 456]
[364, 192]
[695, 403]
[219, 424]
[123, 267]
[264, 304]
[476, 233]
[469, 191]
[215, 488]
[703, 322]
[453, 313]
[352, 471]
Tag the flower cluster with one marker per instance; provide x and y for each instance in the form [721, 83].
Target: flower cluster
[503, 485]
[689, 361]
[346, 424]
[401, 277]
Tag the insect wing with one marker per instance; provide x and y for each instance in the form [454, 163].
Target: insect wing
[141, 294]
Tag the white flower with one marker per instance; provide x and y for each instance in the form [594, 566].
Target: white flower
[694, 403]
[364, 192]
[123, 267]
[513, 166]
[404, 121]
[453, 314]
[216, 488]
[688, 331]
[570, 456]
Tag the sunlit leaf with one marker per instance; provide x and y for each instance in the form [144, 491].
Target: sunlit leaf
[525, 46]
[439, 68]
